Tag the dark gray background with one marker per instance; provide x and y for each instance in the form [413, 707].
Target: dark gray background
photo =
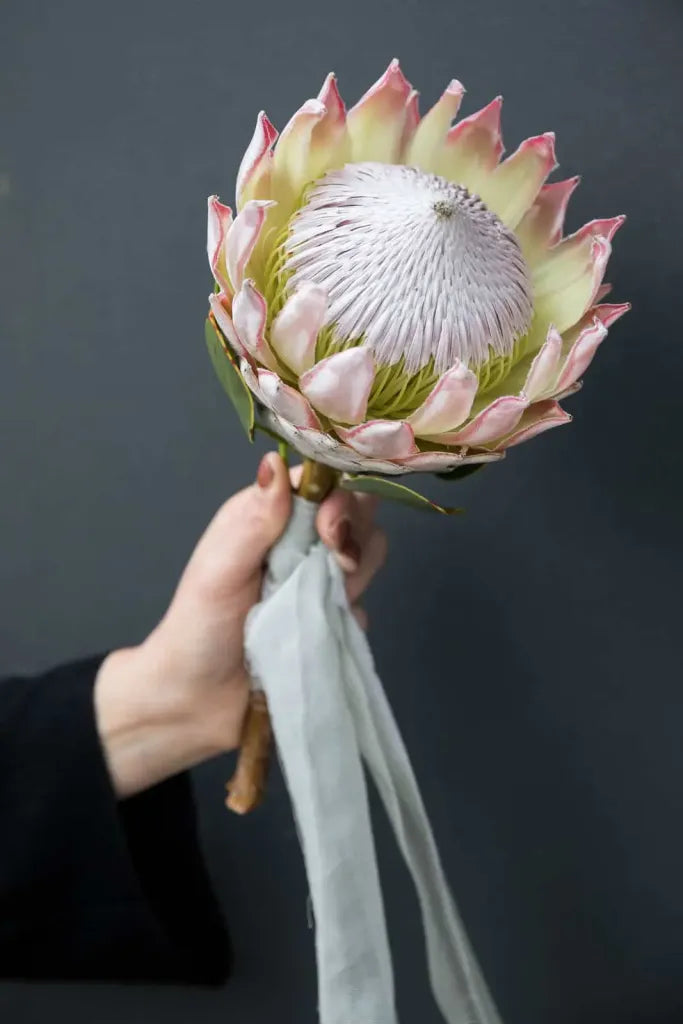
[531, 649]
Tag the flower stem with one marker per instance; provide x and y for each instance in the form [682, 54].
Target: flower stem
[247, 786]
[317, 481]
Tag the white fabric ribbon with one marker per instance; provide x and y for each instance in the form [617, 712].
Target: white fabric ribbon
[328, 709]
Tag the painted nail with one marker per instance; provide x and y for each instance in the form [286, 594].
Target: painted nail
[265, 472]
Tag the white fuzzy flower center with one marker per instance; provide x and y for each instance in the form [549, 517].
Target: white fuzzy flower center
[414, 264]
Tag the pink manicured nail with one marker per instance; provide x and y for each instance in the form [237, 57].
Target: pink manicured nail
[265, 474]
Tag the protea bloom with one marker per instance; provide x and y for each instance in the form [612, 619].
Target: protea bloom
[395, 297]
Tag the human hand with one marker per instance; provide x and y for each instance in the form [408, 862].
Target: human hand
[180, 696]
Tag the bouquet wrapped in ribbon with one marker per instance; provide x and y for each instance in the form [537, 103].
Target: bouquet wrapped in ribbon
[390, 299]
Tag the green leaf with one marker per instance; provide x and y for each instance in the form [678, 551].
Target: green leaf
[385, 487]
[227, 371]
[461, 471]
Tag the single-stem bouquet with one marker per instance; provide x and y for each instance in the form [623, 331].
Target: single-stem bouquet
[390, 299]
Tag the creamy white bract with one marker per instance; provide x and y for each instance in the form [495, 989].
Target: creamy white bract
[397, 298]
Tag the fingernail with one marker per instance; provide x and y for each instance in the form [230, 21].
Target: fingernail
[265, 474]
[347, 547]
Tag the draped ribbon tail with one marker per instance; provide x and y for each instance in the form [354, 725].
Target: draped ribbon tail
[456, 979]
[328, 711]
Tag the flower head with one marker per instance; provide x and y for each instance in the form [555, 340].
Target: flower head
[395, 297]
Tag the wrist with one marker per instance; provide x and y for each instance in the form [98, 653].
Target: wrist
[149, 725]
[198, 688]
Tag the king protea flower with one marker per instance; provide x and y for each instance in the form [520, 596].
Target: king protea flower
[395, 297]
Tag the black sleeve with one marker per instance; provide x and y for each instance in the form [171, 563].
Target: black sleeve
[91, 887]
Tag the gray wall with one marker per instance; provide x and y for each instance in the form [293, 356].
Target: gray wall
[531, 650]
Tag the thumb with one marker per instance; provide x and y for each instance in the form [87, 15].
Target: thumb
[254, 519]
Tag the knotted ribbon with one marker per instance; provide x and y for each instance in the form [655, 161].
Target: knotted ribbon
[329, 712]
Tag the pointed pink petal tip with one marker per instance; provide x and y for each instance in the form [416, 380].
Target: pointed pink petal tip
[601, 250]
[606, 228]
[581, 354]
[554, 198]
[488, 117]
[484, 122]
[267, 127]
[262, 140]
[214, 203]
[562, 188]
[217, 206]
[609, 313]
[380, 439]
[396, 79]
[330, 97]
[540, 416]
[455, 88]
[545, 366]
[393, 80]
[218, 225]
[544, 147]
